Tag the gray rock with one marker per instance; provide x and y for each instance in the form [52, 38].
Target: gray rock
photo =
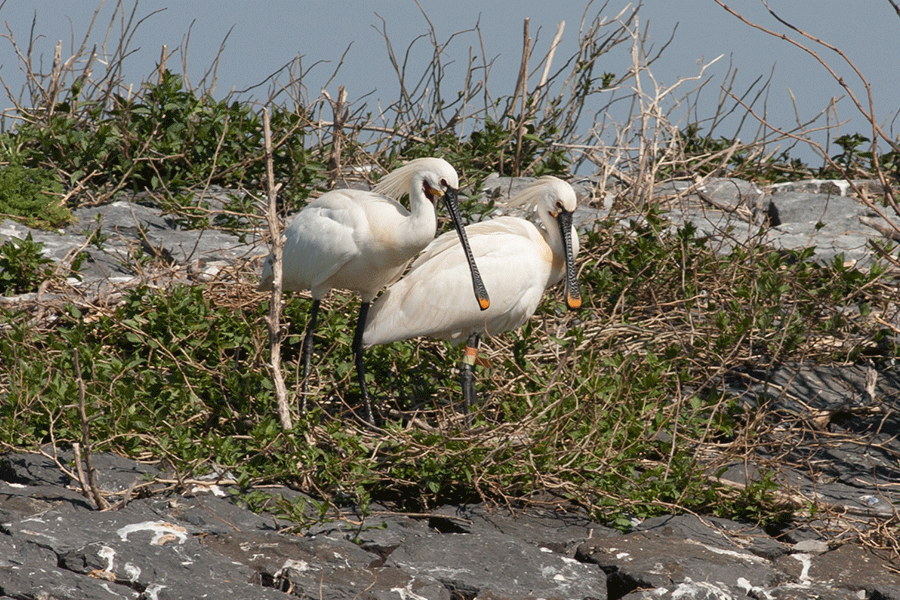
[201, 544]
[379, 535]
[810, 547]
[33, 469]
[649, 560]
[674, 557]
[856, 464]
[31, 582]
[717, 532]
[560, 531]
[111, 238]
[815, 214]
[208, 512]
[52, 544]
[854, 570]
[134, 549]
[497, 566]
[321, 566]
[17, 553]
[829, 186]
[476, 551]
[20, 500]
[829, 223]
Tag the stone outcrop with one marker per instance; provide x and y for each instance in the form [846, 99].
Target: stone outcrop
[200, 543]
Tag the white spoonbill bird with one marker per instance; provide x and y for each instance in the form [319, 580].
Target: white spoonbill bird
[362, 241]
[518, 260]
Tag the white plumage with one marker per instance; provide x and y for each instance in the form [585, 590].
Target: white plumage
[517, 259]
[362, 241]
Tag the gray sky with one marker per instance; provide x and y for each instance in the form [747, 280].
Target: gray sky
[267, 35]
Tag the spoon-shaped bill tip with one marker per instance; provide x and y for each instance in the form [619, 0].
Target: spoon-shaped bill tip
[451, 200]
[573, 292]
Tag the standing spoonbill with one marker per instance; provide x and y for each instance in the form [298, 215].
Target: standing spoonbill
[362, 241]
[519, 261]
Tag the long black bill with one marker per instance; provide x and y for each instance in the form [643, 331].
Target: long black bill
[451, 200]
[573, 292]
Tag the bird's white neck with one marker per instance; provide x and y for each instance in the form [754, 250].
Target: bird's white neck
[420, 226]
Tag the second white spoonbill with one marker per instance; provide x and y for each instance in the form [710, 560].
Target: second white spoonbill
[362, 241]
[518, 260]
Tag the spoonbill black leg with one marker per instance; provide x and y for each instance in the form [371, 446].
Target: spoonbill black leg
[467, 373]
[358, 357]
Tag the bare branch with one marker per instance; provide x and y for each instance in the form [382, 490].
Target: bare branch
[89, 484]
[274, 319]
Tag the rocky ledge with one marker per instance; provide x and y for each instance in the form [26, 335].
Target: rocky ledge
[200, 542]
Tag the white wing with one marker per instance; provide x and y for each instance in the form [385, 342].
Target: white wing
[435, 298]
[344, 240]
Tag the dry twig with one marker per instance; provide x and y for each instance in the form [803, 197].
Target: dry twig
[274, 319]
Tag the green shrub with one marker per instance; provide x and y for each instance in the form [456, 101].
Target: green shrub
[32, 196]
[22, 266]
[164, 138]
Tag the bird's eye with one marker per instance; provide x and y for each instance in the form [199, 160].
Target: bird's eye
[444, 183]
[559, 205]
